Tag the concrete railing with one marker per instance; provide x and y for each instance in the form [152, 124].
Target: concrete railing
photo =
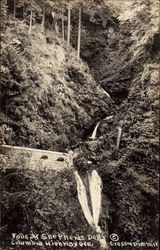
[35, 159]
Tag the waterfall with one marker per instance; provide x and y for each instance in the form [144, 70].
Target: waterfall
[82, 197]
[95, 187]
[108, 118]
[105, 92]
[93, 136]
[119, 136]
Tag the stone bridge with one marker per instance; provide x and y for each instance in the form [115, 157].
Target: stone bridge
[35, 159]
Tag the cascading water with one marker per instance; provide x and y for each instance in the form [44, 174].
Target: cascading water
[95, 187]
[93, 136]
[108, 118]
[94, 133]
[119, 136]
[104, 91]
[82, 197]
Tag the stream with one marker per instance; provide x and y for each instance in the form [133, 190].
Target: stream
[95, 190]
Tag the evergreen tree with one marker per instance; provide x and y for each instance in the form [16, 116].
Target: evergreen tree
[62, 25]
[61, 7]
[19, 4]
[79, 34]
[69, 22]
[70, 5]
[54, 8]
[43, 17]
[32, 6]
[31, 17]
[14, 13]
[81, 5]
[3, 15]
[59, 10]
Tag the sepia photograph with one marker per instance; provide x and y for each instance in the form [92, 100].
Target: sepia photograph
[79, 124]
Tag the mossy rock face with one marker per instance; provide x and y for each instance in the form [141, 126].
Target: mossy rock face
[49, 95]
[50, 100]
[49, 200]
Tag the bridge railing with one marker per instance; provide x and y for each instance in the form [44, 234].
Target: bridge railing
[35, 159]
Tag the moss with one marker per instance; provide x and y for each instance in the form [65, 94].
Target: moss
[46, 82]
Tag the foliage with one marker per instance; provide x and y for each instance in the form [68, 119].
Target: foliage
[132, 171]
[39, 202]
[3, 17]
[113, 46]
[49, 100]
[41, 90]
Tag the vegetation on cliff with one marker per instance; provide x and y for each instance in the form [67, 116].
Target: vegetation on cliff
[50, 99]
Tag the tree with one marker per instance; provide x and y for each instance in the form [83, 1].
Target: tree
[76, 5]
[58, 14]
[70, 5]
[69, 23]
[90, 8]
[54, 8]
[47, 7]
[79, 4]
[62, 25]
[14, 11]
[61, 7]
[19, 4]
[79, 34]
[32, 6]
[3, 17]
[43, 17]
[31, 17]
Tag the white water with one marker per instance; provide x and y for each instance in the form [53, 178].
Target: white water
[119, 136]
[93, 136]
[108, 118]
[105, 92]
[82, 197]
[95, 188]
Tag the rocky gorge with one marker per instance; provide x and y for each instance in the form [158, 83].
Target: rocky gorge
[103, 108]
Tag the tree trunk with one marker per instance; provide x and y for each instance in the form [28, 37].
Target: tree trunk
[69, 24]
[23, 13]
[56, 27]
[14, 11]
[4, 9]
[79, 34]
[23, 9]
[43, 21]
[30, 22]
[62, 26]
